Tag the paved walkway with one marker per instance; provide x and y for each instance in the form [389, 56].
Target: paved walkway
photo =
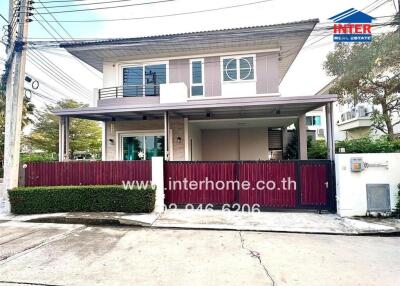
[296, 222]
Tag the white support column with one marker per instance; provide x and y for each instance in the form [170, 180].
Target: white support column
[330, 141]
[95, 98]
[61, 134]
[66, 139]
[302, 137]
[186, 137]
[104, 141]
[166, 136]
[157, 179]
[63, 139]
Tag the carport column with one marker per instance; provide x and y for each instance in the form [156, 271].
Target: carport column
[157, 179]
[104, 141]
[330, 141]
[63, 139]
[166, 136]
[302, 134]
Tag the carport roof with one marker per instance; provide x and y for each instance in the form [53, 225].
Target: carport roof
[215, 108]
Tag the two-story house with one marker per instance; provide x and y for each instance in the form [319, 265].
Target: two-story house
[198, 96]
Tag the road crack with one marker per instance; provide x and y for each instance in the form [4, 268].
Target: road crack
[255, 254]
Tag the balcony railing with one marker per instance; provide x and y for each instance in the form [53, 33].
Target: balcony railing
[129, 91]
[355, 114]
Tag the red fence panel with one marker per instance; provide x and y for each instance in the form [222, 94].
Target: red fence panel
[272, 184]
[86, 173]
[314, 184]
[201, 172]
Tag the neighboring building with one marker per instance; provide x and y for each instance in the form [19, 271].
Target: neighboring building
[351, 122]
[316, 123]
[198, 96]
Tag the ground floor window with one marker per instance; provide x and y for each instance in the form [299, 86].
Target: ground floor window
[142, 147]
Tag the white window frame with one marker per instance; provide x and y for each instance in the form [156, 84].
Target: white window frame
[143, 65]
[237, 57]
[122, 134]
[202, 77]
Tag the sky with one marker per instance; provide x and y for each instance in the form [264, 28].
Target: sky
[305, 77]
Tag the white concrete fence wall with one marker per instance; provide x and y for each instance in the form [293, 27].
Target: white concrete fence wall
[351, 186]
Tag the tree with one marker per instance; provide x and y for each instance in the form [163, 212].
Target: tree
[369, 72]
[85, 135]
[27, 112]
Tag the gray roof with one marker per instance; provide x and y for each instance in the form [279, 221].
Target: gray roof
[197, 109]
[288, 38]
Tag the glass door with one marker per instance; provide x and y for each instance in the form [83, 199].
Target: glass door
[154, 76]
[154, 146]
[142, 147]
[133, 81]
[143, 80]
[133, 148]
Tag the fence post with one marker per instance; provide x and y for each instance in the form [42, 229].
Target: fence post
[157, 179]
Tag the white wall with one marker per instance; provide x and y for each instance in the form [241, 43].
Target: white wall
[351, 187]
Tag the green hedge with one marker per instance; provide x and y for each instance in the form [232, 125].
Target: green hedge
[369, 145]
[34, 200]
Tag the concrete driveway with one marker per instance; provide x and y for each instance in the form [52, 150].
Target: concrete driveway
[54, 254]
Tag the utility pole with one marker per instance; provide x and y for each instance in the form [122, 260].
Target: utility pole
[15, 94]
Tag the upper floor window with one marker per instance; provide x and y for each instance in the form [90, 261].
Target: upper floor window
[197, 77]
[313, 120]
[238, 68]
[143, 80]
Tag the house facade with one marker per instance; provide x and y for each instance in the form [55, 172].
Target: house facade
[204, 96]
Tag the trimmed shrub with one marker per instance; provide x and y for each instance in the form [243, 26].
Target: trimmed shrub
[369, 145]
[316, 149]
[34, 200]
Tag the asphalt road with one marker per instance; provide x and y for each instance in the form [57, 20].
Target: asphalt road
[54, 254]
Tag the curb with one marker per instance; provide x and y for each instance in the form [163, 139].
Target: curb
[131, 223]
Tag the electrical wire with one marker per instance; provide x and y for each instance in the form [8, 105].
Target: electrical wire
[96, 3]
[106, 8]
[69, 35]
[51, 74]
[165, 15]
[45, 84]
[52, 68]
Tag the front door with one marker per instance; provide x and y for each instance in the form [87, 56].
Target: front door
[142, 147]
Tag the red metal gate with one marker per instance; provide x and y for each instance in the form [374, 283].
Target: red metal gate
[177, 173]
[306, 184]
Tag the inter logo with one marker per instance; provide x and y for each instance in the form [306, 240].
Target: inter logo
[352, 26]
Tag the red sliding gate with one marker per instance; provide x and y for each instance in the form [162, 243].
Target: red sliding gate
[300, 184]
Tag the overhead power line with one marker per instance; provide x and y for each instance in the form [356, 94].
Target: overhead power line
[104, 8]
[53, 68]
[68, 34]
[91, 4]
[165, 15]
